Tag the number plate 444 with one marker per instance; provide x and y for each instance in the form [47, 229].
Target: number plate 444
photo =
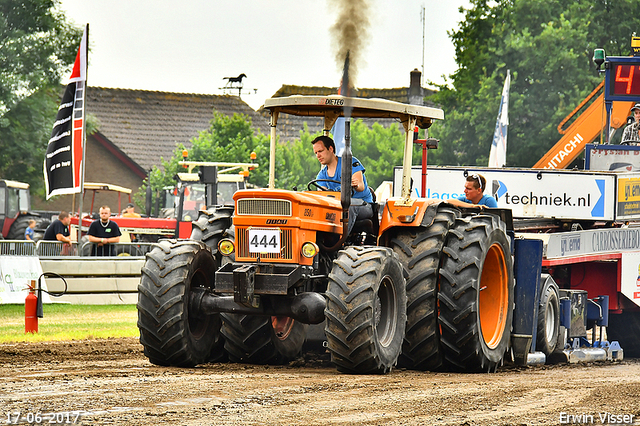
[264, 240]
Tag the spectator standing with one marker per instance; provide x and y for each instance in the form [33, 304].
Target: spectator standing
[631, 133]
[30, 233]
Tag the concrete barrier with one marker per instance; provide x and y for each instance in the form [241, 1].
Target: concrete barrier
[95, 281]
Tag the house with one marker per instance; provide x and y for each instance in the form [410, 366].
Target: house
[138, 128]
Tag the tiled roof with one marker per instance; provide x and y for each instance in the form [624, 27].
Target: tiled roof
[148, 125]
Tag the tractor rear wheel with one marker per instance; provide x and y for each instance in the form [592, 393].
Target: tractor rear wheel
[476, 294]
[262, 340]
[16, 232]
[366, 310]
[420, 251]
[170, 333]
[211, 227]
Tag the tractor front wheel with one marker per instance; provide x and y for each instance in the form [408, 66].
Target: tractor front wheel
[170, 333]
[366, 310]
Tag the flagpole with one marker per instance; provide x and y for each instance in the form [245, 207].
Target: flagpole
[84, 146]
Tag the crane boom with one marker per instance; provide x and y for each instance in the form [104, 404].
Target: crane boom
[585, 129]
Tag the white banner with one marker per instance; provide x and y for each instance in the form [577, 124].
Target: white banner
[16, 273]
[527, 192]
[593, 241]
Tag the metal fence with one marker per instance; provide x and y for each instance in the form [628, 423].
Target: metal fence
[17, 248]
[49, 249]
[122, 249]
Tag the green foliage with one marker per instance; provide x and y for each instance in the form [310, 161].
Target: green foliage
[37, 46]
[25, 131]
[231, 139]
[379, 149]
[228, 139]
[548, 46]
[296, 164]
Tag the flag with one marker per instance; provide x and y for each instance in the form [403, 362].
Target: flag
[498, 154]
[338, 135]
[63, 168]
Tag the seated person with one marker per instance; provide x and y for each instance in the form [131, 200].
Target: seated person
[325, 150]
[129, 211]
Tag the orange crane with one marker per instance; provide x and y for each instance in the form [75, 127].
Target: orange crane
[585, 129]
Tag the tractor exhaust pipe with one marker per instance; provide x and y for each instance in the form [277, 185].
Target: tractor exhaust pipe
[308, 308]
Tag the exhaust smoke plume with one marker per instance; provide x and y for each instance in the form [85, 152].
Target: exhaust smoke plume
[351, 35]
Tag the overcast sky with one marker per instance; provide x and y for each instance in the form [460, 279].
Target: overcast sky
[191, 45]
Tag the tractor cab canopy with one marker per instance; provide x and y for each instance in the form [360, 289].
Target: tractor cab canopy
[334, 106]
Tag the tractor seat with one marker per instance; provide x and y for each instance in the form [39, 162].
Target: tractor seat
[369, 226]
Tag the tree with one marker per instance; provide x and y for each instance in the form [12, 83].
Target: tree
[37, 46]
[24, 139]
[232, 139]
[548, 46]
[228, 139]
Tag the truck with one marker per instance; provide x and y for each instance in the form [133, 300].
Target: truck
[588, 219]
[15, 211]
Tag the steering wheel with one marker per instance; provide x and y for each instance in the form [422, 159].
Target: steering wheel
[315, 184]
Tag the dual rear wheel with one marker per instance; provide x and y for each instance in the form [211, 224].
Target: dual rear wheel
[475, 295]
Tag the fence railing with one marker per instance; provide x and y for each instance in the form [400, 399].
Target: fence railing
[49, 249]
[17, 248]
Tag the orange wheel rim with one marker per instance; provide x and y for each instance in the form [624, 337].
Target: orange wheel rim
[282, 326]
[493, 297]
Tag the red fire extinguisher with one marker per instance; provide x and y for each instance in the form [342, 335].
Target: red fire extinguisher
[31, 310]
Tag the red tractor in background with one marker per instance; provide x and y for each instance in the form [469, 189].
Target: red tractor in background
[15, 211]
[214, 185]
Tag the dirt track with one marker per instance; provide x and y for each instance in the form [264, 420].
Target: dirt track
[111, 382]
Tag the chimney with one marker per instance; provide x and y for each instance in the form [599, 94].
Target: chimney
[416, 92]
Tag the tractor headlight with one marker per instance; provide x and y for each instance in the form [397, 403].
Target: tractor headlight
[226, 247]
[309, 249]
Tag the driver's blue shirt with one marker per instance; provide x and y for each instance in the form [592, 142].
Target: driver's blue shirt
[332, 186]
[486, 200]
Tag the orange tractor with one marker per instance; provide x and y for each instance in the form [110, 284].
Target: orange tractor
[423, 284]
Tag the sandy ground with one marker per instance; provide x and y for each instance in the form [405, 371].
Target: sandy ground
[111, 382]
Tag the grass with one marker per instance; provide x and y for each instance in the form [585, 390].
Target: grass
[70, 322]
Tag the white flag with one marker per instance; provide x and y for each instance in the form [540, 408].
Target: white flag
[498, 154]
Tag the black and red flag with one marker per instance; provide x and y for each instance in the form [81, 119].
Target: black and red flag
[63, 164]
